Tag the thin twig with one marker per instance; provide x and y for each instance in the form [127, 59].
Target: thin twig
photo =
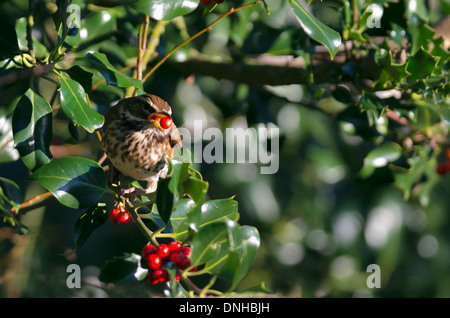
[140, 224]
[6, 144]
[30, 24]
[208, 28]
[31, 203]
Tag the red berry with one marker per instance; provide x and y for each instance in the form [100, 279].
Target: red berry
[147, 250]
[163, 250]
[205, 2]
[177, 257]
[166, 122]
[441, 168]
[185, 263]
[160, 274]
[150, 278]
[123, 218]
[154, 261]
[177, 277]
[174, 246]
[187, 251]
[113, 214]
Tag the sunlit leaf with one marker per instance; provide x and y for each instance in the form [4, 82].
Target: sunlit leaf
[210, 212]
[32, 128]
[75, 106]
[316, 29]
[380, 157]
[75, 182]
[166, 10]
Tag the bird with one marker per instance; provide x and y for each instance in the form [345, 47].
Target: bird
[138, 136]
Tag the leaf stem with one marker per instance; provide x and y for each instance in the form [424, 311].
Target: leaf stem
[209, 27]
[142, 43]
[144, 229]
[32, 203]
[207, 289]
[30, 24]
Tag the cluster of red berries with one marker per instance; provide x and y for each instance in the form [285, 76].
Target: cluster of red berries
[206, 2]
[119, 214]
[163, 254]
[444, 165]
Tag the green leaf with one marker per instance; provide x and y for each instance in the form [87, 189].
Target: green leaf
[210, 246]
[97, 25]
[210, 212]
[391, 72]
[246, 242]
[166, 9]
[420, 65]
[316, 29]
[164, 199]
[81, 76]
[113, 77]
[91, 219]
[75, 106]
[10, 196]
[425, 116]
[380, 157]
[169, 189]
[32, 128]
[196, 188]
[421, 168]
[120, 268]
[75, 182]
[10, 192]
[38, 46]
[421, 34]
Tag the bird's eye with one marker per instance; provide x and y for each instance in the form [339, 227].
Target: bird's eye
[149, 108]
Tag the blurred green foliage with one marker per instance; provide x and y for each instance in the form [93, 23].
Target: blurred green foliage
[354, 187]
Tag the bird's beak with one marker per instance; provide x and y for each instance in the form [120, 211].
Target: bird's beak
[155, 118]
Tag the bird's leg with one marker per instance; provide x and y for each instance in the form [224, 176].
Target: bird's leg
[113, 173]
[152, 183]
[134, 191]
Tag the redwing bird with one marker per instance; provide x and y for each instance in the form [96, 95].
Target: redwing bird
[138, 136]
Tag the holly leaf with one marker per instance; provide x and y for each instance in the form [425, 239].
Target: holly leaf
[121, 268]
[316, 29]
[210, 212]
[210, 246]
[75, 182]
[32, 129]
[90, 220]
[84, 78]
[380, 157]
[75, 106]
[246, 242]
[169, 189]
[112, 76]
[166, 9]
